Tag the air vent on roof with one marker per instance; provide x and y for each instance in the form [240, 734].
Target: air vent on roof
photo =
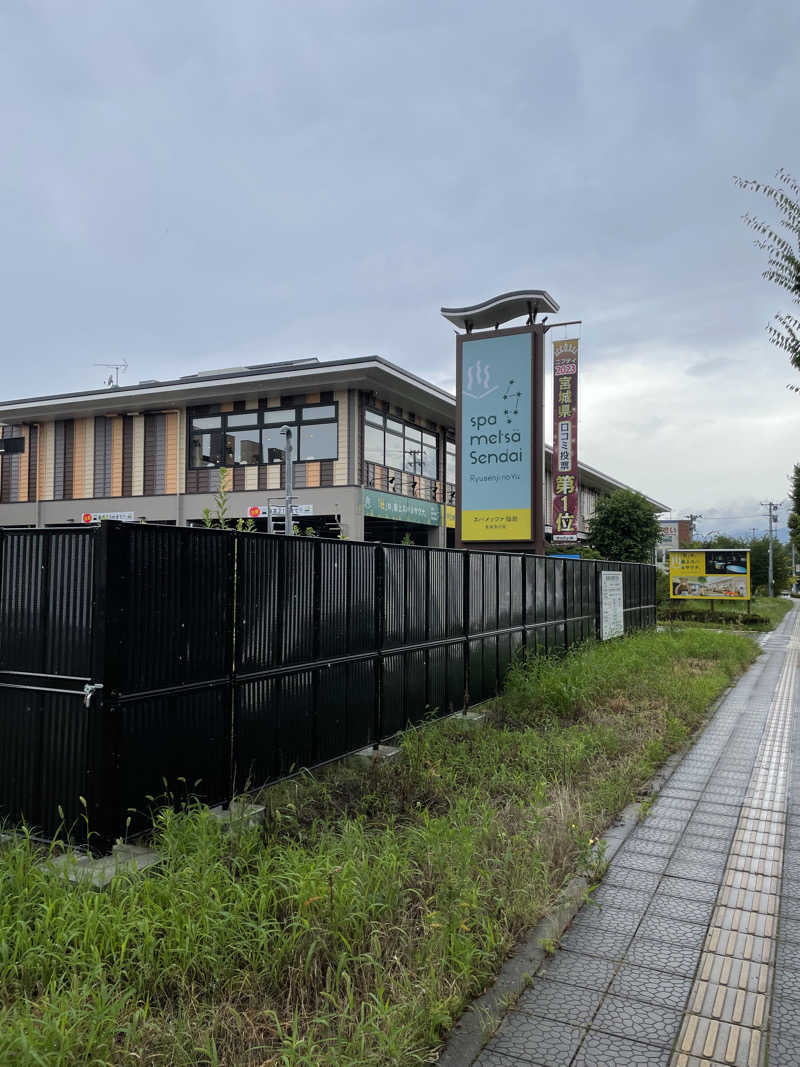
[149, 381]
[310, 362]
[219, 371]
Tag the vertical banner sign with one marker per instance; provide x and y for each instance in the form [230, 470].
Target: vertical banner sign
[496, 439]
[566, 496]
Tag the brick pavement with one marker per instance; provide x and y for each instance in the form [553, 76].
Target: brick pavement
[688, 954]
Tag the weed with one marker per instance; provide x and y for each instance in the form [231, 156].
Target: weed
[374, 903]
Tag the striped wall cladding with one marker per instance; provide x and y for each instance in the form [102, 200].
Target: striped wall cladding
[95, 458]
[18, 473]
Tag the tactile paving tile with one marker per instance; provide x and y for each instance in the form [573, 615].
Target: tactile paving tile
[672, 960]
[721, 1041]
[727, 1013]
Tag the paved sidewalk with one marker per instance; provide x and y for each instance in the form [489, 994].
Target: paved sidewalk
[689, 953]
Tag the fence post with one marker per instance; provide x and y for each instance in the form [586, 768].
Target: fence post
[465, 593]
[102, 779]
[380, 630]
[235, 641]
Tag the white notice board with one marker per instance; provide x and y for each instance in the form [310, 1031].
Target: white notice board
[611, 606]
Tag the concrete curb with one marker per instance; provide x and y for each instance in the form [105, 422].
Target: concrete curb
[484, 1014]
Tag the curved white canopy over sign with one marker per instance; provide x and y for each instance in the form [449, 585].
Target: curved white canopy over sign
[500, 309]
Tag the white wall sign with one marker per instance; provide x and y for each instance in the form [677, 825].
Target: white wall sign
[98, 516]
[256, 511]
[611, 605]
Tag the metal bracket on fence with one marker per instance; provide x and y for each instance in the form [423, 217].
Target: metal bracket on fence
[89, 691]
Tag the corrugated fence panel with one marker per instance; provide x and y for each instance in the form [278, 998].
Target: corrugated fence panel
[456, 569]
[258, 605]
[394, 595]
[46, 602]
[337, 645]
[43, 759]
[170, 605]
[298, 601]
[363, 617]
[335, 606]
[416, 595]
[173, 746]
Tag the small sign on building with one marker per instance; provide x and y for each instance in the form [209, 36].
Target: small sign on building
[612, 607]
[99, 516]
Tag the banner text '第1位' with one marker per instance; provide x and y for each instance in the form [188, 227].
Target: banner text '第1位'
[566, 491]
[496, 439]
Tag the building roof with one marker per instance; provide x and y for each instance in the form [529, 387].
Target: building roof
[368, 373]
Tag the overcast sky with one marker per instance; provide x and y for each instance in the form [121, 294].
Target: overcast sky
[190, 185]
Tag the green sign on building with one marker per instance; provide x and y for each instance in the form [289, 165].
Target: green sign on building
[401, 508]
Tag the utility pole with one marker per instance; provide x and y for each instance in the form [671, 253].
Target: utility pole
[691, 524]
[772, 515]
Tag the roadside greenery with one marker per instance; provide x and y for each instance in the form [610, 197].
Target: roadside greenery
[765, 614]
[624, 526]
[354, 926]
[759, 559]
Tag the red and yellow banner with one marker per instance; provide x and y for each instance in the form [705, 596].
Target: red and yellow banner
[566, 490]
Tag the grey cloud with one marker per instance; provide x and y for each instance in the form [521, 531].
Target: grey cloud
[190, 180]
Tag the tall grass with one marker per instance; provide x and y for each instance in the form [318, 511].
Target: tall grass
[354, 926]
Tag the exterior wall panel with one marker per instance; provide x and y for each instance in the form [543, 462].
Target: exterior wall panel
[137, 466]
[116, 456]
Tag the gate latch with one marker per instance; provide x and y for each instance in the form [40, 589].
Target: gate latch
[89, 691]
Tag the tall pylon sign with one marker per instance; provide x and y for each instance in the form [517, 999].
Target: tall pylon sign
[500, 422]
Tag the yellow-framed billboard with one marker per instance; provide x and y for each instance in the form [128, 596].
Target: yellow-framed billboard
[710, 574]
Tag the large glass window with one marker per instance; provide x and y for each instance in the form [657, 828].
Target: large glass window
[400, 445]
[247, 438]
[242, 447]
[205, 442]
[318, 441]
[450, 463]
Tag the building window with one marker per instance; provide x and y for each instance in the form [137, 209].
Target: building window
[400, 446]
[249, 438]
[450, 463]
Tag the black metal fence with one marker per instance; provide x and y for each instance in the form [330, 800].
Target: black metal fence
[138, 659]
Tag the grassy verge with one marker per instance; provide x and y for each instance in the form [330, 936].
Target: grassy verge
[765, 614]
[355, 925]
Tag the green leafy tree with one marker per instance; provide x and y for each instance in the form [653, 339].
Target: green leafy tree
[759, 565]
[794, 515]
[625, 527]
[781, 242]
